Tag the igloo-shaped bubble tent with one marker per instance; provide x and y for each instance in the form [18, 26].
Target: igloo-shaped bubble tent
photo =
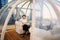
[42, 29]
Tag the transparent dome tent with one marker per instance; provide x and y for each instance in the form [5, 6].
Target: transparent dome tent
[44, 15]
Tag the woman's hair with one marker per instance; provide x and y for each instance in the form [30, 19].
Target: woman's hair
[23, 15]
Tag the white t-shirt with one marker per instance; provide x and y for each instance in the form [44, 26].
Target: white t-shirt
[23, 21]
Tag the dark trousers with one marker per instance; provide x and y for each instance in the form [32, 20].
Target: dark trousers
[26, 27]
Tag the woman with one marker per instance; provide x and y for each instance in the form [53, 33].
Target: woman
[25, 24]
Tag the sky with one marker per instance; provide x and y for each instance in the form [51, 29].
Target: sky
[9, 0]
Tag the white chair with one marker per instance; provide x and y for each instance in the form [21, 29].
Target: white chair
[19, 28]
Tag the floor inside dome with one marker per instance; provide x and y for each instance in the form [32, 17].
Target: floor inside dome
[13, 35]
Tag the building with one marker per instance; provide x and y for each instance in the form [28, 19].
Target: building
[3, 2]
[2, 20]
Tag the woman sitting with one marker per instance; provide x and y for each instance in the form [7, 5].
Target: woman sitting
[25, 24]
